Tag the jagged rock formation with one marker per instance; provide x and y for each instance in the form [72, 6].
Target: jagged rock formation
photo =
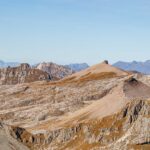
[99, 108]
[22, 74]
[55, 71]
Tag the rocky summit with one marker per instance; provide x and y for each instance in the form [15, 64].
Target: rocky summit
[22, 74]
[55, 71]
[99, 108]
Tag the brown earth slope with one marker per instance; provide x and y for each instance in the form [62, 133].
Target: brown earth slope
[99, 71]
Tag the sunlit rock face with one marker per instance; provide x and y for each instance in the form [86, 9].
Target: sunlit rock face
[55, 71]
[22, 74]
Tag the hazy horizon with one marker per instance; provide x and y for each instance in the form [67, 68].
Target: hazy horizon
[73, 62]
[73, 31]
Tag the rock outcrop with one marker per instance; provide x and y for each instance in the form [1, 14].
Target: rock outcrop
[55, 71]
[7, 142]
[22, 74]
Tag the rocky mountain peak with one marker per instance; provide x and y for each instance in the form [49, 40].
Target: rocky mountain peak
[55, 71]
[22, 74]
[25, 66]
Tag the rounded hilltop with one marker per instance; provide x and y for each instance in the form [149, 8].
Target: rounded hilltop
[99, 71]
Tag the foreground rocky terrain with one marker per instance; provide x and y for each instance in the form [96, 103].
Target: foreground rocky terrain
[101, 107]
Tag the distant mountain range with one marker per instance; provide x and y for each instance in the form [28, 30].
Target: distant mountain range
[6, 64]
[74, 67]
[78, 67]
[142, 67]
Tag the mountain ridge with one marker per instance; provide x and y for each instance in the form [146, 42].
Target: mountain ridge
[77, 66]
[101, 107]
[55, 71]
[4, 64]
[139, 66]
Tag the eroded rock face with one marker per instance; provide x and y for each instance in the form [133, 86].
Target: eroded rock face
[22, 74]
[126, 129]
[7, 142]
[55, 71]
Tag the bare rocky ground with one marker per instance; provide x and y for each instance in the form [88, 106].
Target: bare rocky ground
[99, 108]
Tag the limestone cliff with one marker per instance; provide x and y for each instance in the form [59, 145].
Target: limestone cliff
[22, 74]
[55, 71]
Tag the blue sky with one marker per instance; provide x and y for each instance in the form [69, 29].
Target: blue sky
[67, 31]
